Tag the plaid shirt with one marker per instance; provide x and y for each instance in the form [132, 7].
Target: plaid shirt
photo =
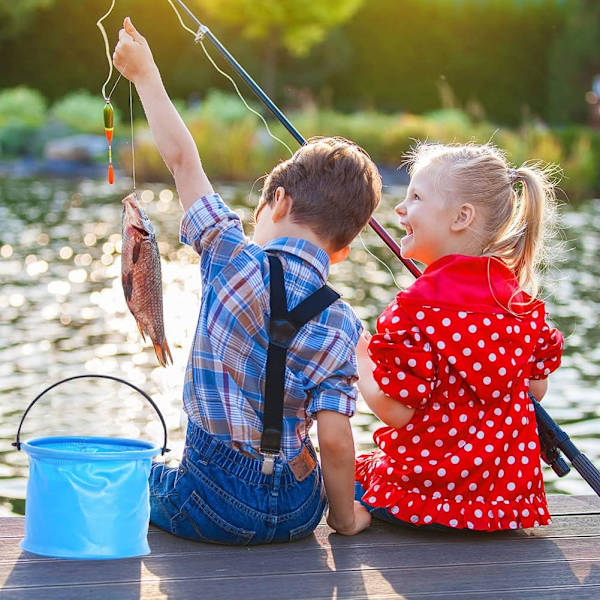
[225, 377]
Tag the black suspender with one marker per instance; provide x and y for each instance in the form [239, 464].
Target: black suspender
[283, 328]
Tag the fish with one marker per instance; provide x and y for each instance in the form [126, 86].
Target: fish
[141, 276]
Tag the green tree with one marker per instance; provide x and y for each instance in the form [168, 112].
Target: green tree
[295, 25]
[574, 61]
[15, 14]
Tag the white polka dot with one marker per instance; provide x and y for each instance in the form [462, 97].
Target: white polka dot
[441, 345]
[441, 472]
[489, 448]
[427, 519]
[486, 321]
[464, 474]
[456, 337]
[420, 315]
[372, 499]
[455, 460]
[412, 362]
[477, 366]
[467, 351]
[416, 439]
[453, 522]
[452, 431]
[385, 380]
[492, 357]
[403, 393]
[430, 330]
[401, 375]
[472, 328]
[478, 460]
[418, 468]
[531, 445]
[395, 510]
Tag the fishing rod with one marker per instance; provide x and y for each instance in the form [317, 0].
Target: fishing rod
[205, 32]
[552, 438]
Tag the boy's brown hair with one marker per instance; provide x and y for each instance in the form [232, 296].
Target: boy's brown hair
[334, 186]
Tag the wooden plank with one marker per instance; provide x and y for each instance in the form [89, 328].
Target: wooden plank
[363, 582]
[42, 573]
[561, 504]
[563, 526]
[293, 559]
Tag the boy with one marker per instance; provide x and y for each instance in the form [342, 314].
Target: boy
[240, 482]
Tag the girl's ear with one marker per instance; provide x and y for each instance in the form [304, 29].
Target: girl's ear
[463, 218]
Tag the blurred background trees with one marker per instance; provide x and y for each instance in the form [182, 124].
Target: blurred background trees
[507, 59]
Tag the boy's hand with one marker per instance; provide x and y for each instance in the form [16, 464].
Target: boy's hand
[362, 519]
[132, 55]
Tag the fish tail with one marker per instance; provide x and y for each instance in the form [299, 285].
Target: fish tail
[140, 330]
[163, 353]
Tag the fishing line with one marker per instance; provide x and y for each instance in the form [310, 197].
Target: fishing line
[198, 39]
[107, 50]
[379, 261]
[132, 144]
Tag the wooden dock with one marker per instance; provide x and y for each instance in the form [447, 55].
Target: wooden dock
[561, 561]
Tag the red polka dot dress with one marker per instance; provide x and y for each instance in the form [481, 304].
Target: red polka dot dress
[448, 347]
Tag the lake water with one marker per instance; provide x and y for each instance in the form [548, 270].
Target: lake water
[63, 314]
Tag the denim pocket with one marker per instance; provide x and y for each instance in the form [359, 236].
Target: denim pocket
[208, 525]
[306, 529]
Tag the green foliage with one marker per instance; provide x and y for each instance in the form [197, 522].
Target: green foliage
[297, 23]
[574, 61]
[82, 112]
[390, 55]
[22, 106]
[22, 113]
[16, 14]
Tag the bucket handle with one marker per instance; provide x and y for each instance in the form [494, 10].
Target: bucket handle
[17, 443]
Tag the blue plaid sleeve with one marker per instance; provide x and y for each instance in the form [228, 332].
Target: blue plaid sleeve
[338, 391]
[214, 231]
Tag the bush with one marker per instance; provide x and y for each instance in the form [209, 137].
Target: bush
[22, 106]
[82, 112]
[22, 113]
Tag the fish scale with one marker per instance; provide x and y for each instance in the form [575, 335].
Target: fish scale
[141, 276]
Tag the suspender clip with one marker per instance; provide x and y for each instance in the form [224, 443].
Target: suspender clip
[268, 464]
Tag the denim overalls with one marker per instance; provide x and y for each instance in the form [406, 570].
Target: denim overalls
[221, 495]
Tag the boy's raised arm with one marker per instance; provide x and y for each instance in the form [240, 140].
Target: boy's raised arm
[133, 58]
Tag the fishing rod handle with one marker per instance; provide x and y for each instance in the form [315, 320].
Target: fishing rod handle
[17, 443]
[588, 471]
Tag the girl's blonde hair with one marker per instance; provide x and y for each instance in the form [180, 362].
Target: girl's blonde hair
[519, 205]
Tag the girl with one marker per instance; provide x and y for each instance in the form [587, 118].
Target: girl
[456, 354]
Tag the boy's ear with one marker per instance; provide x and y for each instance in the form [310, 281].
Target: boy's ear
[339, 255]
[463, 217]
[282, 204]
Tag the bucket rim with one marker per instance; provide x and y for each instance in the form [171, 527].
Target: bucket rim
[139, 449]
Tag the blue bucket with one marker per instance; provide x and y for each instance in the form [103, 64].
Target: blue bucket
[88, 497]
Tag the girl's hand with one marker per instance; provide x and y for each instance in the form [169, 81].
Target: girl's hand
[132, 55]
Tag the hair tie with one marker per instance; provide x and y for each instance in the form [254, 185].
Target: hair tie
[513, 176]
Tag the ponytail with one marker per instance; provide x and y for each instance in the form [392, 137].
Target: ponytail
[521, 241]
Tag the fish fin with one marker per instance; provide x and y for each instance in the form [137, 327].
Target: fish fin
[137, 247]
[140, 330]
[163, 353]
[127, 282]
